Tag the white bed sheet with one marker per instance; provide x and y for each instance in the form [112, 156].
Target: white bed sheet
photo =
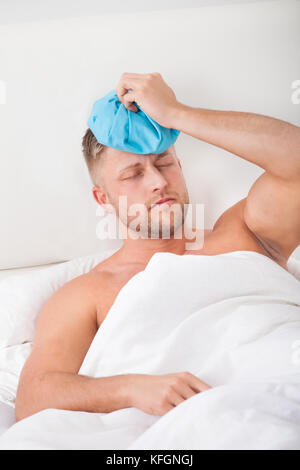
[6, 411]
[7, 416]
[240, 327]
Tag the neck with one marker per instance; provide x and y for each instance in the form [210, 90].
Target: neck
[140, 251]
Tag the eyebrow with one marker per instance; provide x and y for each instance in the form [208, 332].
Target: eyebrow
[134, 165]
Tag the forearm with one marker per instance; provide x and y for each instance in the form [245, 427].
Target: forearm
[270, 143]
[69, 391]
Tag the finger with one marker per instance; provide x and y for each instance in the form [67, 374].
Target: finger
[197, 384]
[126, 84]
[186, 391]
[128, 101]
[168, 407]
[175, 399]
[134, 75]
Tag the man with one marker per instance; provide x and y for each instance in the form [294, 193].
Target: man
[267, 221]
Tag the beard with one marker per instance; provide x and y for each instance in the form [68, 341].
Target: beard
[159, 222]
[165, 221]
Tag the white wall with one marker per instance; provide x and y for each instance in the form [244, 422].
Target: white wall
[232, 57]
[16, 11]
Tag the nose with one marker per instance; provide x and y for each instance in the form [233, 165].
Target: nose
[155, 179]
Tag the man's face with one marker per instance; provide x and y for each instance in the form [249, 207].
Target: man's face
[144, 180]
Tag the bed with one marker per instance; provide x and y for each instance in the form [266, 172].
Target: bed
[259, 305]
[23, 284]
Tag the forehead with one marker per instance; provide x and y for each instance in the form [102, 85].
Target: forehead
[121, 160]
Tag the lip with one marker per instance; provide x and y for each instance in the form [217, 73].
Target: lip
[163, 201]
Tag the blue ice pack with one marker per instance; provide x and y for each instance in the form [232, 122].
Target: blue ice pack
[115, 126]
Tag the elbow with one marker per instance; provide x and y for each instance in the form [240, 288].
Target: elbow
[22, 413]
[23, 408]
[28, 398]
[19, 414]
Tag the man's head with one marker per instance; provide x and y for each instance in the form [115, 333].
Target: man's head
[142, 179]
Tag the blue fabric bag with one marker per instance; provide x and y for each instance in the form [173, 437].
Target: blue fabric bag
[115, 126]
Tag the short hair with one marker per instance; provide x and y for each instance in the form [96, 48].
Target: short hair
[92, 150]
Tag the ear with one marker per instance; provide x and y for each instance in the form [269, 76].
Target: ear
[101, 198]
[98, 195]
[179, 162]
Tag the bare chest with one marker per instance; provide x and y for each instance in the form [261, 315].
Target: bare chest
[109, 289]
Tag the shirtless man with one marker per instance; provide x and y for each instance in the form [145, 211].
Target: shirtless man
[266, 221]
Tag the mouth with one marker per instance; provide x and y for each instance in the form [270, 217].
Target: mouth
[165, 200]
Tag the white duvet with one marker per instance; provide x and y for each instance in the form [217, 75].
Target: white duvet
[231, 319]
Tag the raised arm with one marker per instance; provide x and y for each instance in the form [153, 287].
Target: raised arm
[272, 209]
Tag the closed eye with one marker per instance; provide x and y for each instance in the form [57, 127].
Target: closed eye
[133, 176]
[161, 166]
[140, 174]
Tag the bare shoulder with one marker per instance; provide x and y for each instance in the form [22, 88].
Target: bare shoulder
[65, 328]
[80, 287]
[73, 300]
[86, 285]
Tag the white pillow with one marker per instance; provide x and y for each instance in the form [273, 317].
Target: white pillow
[23, 295]
[21, 299]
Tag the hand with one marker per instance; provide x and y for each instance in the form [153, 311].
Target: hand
[158, 394]
[151, 93]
